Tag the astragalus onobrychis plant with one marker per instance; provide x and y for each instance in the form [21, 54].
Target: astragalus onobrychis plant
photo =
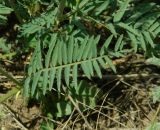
[74, 40]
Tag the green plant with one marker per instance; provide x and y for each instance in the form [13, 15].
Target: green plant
[156, 94]
[2, 113]
[4, 10]
[154, 125]
[47, 124]
[67, 49]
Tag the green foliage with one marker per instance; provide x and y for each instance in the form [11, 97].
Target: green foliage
[47, 124]
[3, 46]
[155, 91]
[154, 61]
[156, 94]
[40, 24]
[4, 10]
[66, 51]
[155, 126]
[2, 112]
[83, 93]
[75, 40]
[63, 59]
[5, 50]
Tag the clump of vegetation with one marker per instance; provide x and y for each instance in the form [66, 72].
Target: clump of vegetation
[70, 42]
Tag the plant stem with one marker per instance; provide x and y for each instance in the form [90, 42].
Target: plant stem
[14, 90]
[3, 72]
[60, 10]
[82, 4]
[9, 94]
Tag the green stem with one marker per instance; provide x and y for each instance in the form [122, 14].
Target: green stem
[81, 5]
[3, 72]
[9, 94]
[14, 90]
[60, 9]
